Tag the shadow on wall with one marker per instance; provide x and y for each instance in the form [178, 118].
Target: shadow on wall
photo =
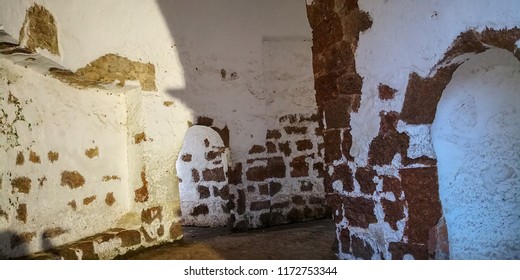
[15, 245]
[220, 48]
[10, 240]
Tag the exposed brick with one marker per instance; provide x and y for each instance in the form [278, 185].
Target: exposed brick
[260, 205]
[277, 218]
[256, 149]
[150, 214]
[294, 215]
[424, 160]
[18, 239]
[211, 155]
[274, 188]
[388, 143]
[263, 189]
[20, 159]
[50, 233]
[307, 213]
[343, 173]
[319, 167]
[361, 249]
[265, 219]
[257, 173]
[349, 84]
[72, 179]
[241, 202]
[438, 244]
[129, 237]
[147, 237]
[392, 184]
[344, 237]
[332, 141]
[72, 205]
[275, 167]
[53, 156]
[195, 176]
[235, 174]
[337, 113]
[186, 157]
[285, 148]
[201, 209]
[86, 248]
[160, 231]
[359, 211]
[241, 226]
[251, 188]
[21, 213]
[88, 200]
[203, 192]
[216, 174]
[302, 145]
[222, 192]
[175, 230]
[273, 134]
[421, 189]
[280, 205]
[205, 121]
[325, 86]
[295, 130]
[298, 200]
[398, 250]
[21, 185]
[109, 199]
[423, 94]
[365, 176]
[335, 202]
[139, 137]
[271, 147]
[394, 211]
[224, 134]
[299, 167]
[346, 144]
[317, 200]
[34, 157]
[386, 92]
[141, 194]
[306, 186]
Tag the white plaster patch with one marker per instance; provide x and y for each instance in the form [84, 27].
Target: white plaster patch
[420, 139]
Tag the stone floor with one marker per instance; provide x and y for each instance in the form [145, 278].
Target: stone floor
[302, 241]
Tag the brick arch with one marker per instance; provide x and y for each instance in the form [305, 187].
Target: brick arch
[423, 93]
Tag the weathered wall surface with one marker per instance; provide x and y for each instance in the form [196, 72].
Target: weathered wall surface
[245, 65]
[378, 79]
[476, 136]
[64, 172]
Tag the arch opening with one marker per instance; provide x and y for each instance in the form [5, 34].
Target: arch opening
[476, 137]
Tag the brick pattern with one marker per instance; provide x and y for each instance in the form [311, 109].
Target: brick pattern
[283, 177]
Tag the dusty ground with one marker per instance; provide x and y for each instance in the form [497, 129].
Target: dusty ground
[302, 241]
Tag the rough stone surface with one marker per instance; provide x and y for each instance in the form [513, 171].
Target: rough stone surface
[421, 189]
[359, 211]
